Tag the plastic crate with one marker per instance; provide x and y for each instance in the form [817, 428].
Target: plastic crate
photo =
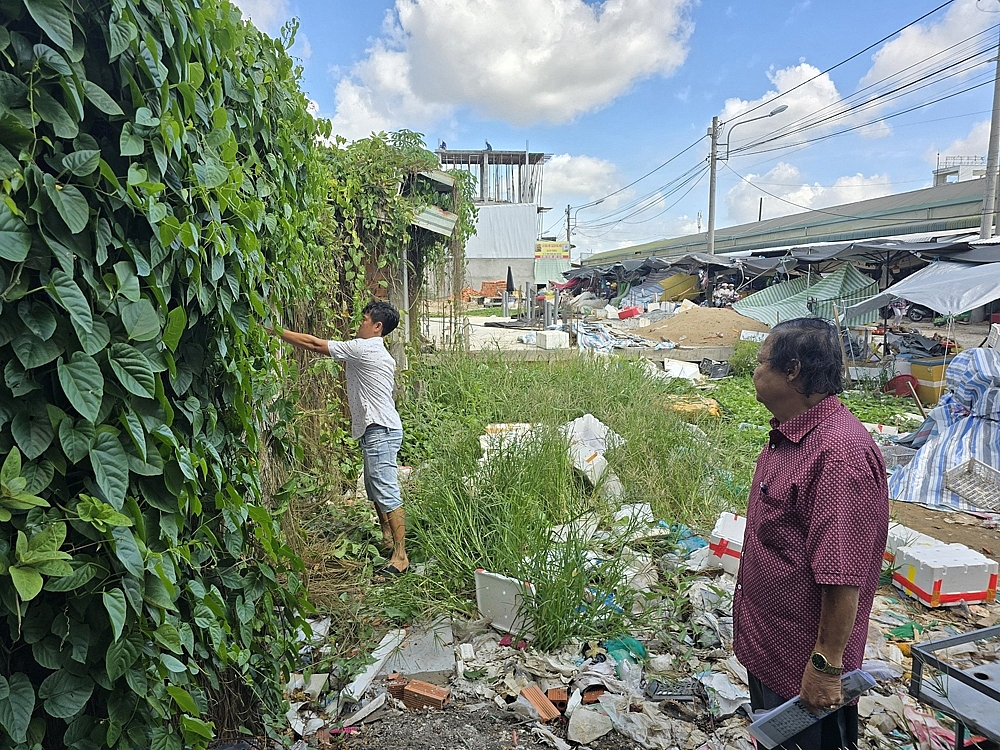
[896, 455]
[976, 483]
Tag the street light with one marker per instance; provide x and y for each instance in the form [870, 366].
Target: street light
[713, 158]
[575, 212]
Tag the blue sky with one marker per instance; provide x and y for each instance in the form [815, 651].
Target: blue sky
[614, 89]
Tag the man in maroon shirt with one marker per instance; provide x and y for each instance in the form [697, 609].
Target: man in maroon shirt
[817, 520]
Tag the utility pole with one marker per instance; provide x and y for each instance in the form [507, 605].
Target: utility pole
[714, 132]
[567, 224]
[989, 200]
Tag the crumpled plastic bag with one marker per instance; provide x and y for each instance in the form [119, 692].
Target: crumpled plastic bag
[724, 696]
[649, 727]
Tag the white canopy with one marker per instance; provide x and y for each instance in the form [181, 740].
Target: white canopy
[948, 288]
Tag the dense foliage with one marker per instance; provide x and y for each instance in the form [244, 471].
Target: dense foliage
[159, 178]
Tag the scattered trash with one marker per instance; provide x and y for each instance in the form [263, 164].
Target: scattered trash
[724, 696]
[371, 707]
[587, 725]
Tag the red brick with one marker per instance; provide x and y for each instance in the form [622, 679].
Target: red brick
[559, 698]
[395, 685]
[542, 705]
[592, 694]
[418, 694]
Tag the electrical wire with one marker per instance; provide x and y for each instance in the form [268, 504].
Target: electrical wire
[640, 179]
[810, 208]
[646, 202]
[919, 69]
[852, 57]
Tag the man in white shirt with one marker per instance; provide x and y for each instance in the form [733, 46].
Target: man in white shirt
[375, 422]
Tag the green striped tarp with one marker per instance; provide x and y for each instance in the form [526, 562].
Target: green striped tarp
[798, 299]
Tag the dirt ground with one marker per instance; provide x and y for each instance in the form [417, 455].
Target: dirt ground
[949, 527]
[457, 727]
[702, 326]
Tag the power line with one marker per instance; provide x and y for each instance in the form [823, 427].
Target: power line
[809, 208]
[640, 179]
[852, 57]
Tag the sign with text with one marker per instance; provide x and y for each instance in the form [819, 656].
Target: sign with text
[558, 250]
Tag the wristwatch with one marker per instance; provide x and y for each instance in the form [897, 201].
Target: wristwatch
[821, 664]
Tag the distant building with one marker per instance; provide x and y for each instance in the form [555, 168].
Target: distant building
[508, 193]
[959, 169]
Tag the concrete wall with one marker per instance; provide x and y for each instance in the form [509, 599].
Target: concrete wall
[478, 270]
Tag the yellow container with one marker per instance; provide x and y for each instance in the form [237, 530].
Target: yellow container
[930, 378]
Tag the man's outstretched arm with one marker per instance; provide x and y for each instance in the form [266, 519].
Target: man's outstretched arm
[305, 341]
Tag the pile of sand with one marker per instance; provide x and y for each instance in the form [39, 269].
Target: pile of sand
[702, 326]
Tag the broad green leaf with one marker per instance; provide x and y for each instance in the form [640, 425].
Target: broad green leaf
[27, 581]
[65, 291]
[70, 203]
[17, 707]
[94, 340]
[191, 725]
[141, 320]
[164, 738]
[211, 173]
[83, 384]
[33, 352]
[48, 540]
[51, 111]
[76, 439]
[82, 163]
[121, 34]
[176, 324]
[33, 433]
[74, 580]
[173, 664]
[110, 464]
[54, 19]
[114, 602]
[130, 144]
[128, 282]
[11, 467]
[15, 237]
[144, 116]
[196, 74]
[65, 693]
[38, 318]
[127, 550]
[39, 476]
[183, 700]
[53, 59]
[100, 99]
[120, 656]
[168, 637]
[133, 370]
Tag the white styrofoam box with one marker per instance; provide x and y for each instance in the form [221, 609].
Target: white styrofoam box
[902, 365]
[650, 306]
[552, 340]
[880, 429]
[675, 368]
[757, 336]
[726, 541]
[904, 536]
[499, 598]
[993, 340]
[591, 462]
[945, 575]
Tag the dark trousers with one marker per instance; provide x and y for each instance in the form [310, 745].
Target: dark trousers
[835, 731]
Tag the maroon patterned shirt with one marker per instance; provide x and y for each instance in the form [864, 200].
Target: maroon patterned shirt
[818, 515]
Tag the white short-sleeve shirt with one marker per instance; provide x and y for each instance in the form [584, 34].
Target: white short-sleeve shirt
[371, 373]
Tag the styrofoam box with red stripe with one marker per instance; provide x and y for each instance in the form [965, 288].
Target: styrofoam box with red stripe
[726, 542]
[945, 575]
[904, 536]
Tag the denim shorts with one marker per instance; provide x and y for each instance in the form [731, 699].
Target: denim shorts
[379, 448]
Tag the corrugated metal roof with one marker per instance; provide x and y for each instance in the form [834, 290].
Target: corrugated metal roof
[942, 209]
[436, 220]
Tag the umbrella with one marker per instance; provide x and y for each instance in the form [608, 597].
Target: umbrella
[510, 281]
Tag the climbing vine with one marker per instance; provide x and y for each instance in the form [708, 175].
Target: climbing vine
[160, 177]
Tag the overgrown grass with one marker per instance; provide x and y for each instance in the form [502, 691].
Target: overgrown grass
[463, 515]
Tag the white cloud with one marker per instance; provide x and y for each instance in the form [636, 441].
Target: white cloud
[267, 15]
[975, 143]
[785, 181]
[915, 43]
[802, 102]
[580, 176]
[302, 48]
[521, 61]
